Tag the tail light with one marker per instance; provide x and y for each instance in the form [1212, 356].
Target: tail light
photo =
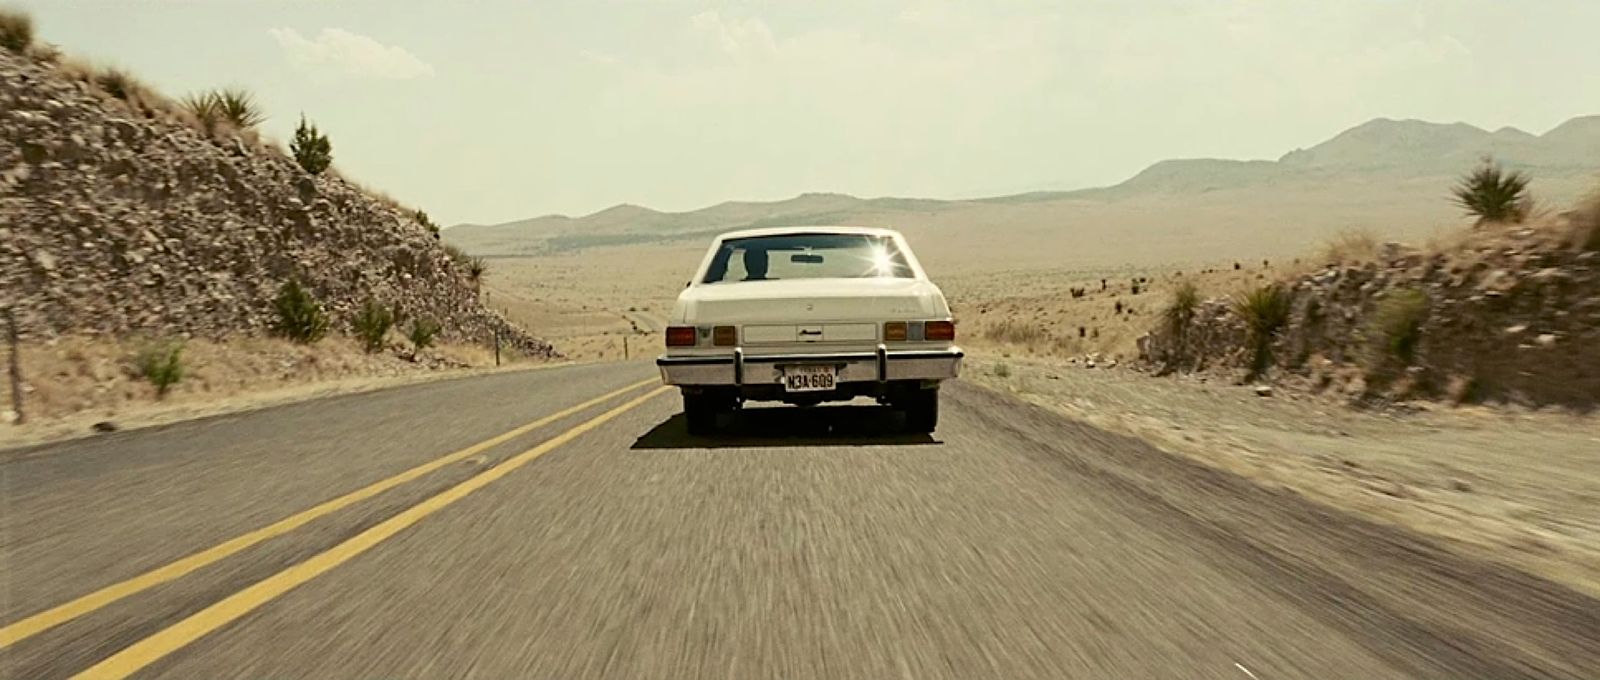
[940, 330]
[680, 336]
[724, 336]
[894, 331]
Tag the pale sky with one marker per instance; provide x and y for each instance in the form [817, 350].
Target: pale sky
[492, 110]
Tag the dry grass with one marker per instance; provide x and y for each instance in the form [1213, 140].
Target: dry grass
[119, 83]
[1350, 246]
[1015, 332]
[77, 381]
[16, 30]
[1586, 225]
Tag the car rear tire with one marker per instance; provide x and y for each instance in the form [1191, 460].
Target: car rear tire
[922, 411]
[700, 413]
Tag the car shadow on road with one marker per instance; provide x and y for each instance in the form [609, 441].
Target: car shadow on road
[789, 426]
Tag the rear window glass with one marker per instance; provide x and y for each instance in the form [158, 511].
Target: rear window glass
[807, 256]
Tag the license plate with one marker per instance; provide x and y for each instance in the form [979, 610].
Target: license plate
[809, 378]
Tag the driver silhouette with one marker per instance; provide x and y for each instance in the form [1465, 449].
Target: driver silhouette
[755, 265]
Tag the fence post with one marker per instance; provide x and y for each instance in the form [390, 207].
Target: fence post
[15, 366]
[625, 356]
[497, 346]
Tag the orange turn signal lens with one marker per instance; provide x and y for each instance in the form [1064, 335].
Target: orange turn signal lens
[724, 336]
[894, 331]
[940, 330]
[680, 336]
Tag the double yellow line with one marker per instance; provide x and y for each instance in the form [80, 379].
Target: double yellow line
[150, 649]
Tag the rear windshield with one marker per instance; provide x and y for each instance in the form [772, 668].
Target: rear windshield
[807, 256]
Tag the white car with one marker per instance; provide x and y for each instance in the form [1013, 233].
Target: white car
[805, 315]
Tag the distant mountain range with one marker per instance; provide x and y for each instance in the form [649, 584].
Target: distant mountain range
[1362, 165]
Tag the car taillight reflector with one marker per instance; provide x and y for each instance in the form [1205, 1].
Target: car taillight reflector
[894, 331]
[940, 330]
[680, 336]
[724, 336]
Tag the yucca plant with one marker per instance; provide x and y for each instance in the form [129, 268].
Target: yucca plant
[203, 107]
[476, 268]
[1492, 194]
[1264, 311]
[238, 107]
[16, 30]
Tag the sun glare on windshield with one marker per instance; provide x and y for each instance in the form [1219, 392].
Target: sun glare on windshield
[882, 263]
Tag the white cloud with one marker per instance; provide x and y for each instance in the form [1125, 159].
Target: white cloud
[738, 38]
[349, 54]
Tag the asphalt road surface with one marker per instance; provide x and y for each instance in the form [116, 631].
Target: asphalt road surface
[560, 523]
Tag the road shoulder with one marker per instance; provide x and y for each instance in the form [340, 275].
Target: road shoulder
[1513, 487]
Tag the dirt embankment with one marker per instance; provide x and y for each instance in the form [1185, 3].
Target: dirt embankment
[1504, 314]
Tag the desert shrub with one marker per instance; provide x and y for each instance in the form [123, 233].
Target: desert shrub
[1002, 371]
[1396, 326]
[161, 363]
[422, 334]
[1015, 332]
[1350, 245]
[311, 148]
[1264, 311]
[422, 219]
[1179, 312]
[1492, 194]
[372, 325]
[300, 316]
[16, 30]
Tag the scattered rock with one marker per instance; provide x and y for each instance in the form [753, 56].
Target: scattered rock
[104, 426]
[1263, 390]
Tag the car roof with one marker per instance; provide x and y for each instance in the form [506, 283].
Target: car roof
[815, 229]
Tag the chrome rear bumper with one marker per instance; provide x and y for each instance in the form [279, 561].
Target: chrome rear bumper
[739, 369]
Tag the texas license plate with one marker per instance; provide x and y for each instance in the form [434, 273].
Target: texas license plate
[809, 378]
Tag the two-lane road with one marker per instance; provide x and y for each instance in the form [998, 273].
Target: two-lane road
[559, 523]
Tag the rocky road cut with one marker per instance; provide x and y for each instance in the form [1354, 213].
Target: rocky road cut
[559, 523]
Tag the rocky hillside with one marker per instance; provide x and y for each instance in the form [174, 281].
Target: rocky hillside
[118, 219]
[1508, 314]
